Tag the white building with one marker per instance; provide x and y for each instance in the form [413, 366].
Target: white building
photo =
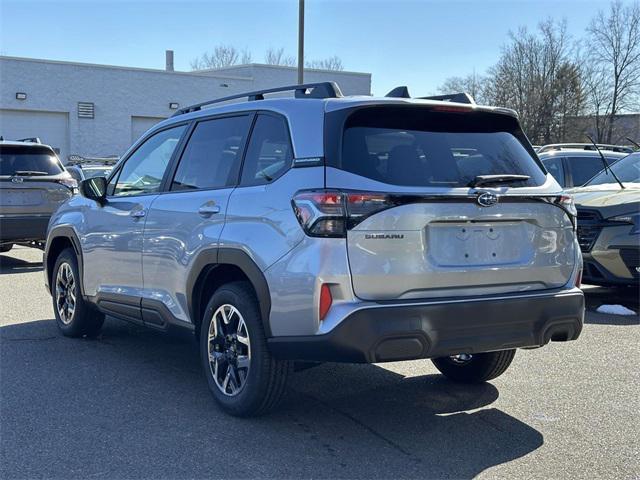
[99, 110]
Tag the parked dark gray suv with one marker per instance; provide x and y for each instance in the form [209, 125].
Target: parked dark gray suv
[325, 228]
[33, 184]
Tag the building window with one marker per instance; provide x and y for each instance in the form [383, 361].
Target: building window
[85, 110]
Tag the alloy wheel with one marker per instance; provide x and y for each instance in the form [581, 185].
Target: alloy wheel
[229, 350]
[65, 293]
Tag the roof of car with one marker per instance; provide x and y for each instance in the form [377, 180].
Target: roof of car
[17, 143]
[576, 152]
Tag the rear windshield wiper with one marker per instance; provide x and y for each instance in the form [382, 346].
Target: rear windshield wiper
[28, 173]
[492, 179]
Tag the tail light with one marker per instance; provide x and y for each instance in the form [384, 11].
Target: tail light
[70, 183]
[330, 213]
[325, 301]
[567, 204]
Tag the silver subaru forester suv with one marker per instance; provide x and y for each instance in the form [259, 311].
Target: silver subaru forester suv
[325, 228]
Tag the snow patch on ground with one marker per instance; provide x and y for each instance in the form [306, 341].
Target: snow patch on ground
[615, 310]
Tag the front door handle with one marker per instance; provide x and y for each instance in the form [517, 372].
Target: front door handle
[138, 213]
[209, 208]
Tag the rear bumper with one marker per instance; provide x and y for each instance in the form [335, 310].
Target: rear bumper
[410, 331]
[22, 228]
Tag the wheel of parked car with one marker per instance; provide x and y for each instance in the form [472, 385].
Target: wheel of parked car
[242, 375]
[6, 247]
[75, 318]
[476, 368]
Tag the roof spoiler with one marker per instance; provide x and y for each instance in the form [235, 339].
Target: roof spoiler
[403, 92]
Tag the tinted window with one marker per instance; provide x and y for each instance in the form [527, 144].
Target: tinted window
[584, 168]
[269, 153]
[212, 156]
[28, 161]
[627, 170]
[416, 146]
[555, 168]
[144, 169]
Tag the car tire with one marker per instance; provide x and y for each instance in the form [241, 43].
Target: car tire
[243, 377]
[477, 368]
[74, 316]
[6, 247]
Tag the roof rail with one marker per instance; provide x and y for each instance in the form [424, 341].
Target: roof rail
[306, 90]
[585, 146]
[30, 140]
[403, 92]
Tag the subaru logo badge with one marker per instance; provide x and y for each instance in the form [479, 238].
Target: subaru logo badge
[17, 180]
[487, 199]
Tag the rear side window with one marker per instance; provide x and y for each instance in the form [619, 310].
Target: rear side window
[555, 168]
[269, 152]
[584, 168]
[417, 146]
[19, 160]
[212, 156]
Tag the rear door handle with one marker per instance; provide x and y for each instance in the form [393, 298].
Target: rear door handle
[209, 208]
[138, 213]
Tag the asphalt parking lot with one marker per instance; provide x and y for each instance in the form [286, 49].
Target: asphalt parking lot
[134, 404]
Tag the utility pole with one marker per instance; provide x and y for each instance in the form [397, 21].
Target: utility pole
[300, 42]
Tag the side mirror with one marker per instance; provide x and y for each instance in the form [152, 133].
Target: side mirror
[94, 188]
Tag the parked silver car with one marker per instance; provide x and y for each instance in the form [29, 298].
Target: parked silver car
[325, 228]
[33, 184]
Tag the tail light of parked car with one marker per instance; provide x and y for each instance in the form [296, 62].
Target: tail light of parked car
[330, 213]
[70, 183]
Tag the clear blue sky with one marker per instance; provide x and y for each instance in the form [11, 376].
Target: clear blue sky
[417, 43]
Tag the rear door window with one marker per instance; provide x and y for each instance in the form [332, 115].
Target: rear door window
[32, 161]
[417, 146]
[555, 168]
[584, 168]
[269, 153]
[212, 157]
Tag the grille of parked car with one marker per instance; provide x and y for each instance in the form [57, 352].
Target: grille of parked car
[589, 227]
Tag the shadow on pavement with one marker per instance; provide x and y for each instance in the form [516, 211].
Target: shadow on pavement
[9, 265]
[134, 403]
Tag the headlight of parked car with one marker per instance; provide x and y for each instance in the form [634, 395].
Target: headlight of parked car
[630, 219]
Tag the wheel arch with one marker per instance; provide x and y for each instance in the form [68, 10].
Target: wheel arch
[215, 267]
[58, 240]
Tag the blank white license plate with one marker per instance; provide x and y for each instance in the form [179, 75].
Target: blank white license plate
[477, 244]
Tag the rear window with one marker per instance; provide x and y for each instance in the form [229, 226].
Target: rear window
[417, 146]
[20, 160]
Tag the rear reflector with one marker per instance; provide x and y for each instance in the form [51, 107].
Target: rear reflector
[579, 278]
[325, 301]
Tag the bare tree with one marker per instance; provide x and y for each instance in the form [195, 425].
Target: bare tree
[246, 57]
[538, 76]
[473, 84]
[613, 75]
[277, 56]
[330, 63]
[222, 56]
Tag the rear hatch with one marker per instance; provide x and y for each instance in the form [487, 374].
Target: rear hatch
[32, 180]
[424, 216]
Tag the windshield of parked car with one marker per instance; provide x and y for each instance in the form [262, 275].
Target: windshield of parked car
[424, 147]
[21, 160]
[626, 169]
